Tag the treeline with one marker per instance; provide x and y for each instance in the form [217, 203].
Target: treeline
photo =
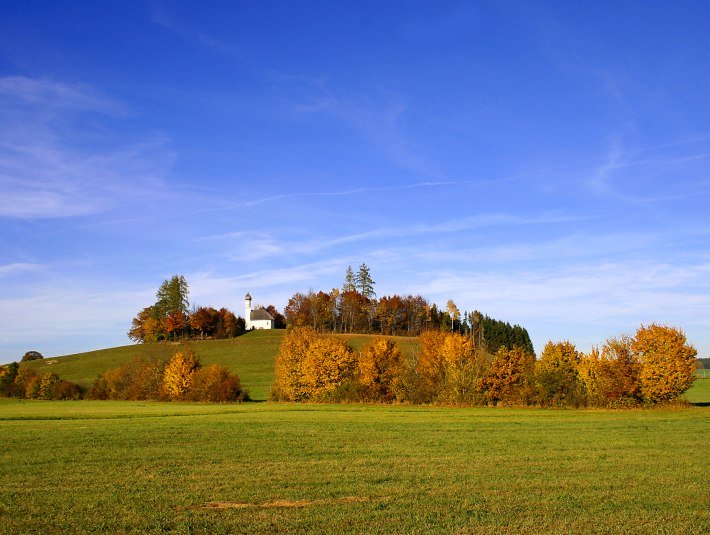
[656, 365]
[171, 319]
[21, 382]
[355, 309]
[179, 377]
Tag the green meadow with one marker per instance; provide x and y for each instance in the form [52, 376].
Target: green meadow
[280, 468]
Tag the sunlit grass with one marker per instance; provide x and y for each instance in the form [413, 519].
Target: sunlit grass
[146, 467]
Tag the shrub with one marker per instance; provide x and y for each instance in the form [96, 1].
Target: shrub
[214, 383]
[379, 366]
[178, 373]
[509, 380]
[611, 378]
[667, 362]
[311, 367]
[47, 385]
[556, 378]
[8, 373]
[32, 355]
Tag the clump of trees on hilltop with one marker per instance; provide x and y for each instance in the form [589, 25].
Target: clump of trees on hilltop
[656, 365]
[355, 308]
[170, 318]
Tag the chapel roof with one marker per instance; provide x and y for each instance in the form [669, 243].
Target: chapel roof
[260, 314]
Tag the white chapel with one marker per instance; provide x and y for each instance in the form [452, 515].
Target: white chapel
[258, 318]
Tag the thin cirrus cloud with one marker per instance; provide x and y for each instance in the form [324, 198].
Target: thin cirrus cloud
[44, 173]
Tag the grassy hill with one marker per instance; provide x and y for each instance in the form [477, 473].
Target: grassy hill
[250, 356]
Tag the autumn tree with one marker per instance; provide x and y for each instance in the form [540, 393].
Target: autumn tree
[379, 366]
[667, 362]
[215, 384]
[465, 368]
[32, 355]
[556, 376]
[311, 366]
[453, 312]
[204, 320]
[611, 376]
[509, 379]
[177, 376]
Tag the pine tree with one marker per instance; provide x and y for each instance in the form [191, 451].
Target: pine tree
[349, 284]
[363, 282]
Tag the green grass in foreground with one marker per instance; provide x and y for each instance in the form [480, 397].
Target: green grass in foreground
[273, 468]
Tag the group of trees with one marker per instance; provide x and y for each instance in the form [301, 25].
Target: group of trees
[170, 318]
[656, 365]
[355, 309]
[178, 378]
[23, 382]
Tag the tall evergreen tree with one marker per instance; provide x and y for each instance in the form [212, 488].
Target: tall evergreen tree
[363, 282]
[173, 296]
[349, 284]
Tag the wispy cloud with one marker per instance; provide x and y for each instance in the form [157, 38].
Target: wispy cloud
[16, 268]
[161, 16]
[45, 173]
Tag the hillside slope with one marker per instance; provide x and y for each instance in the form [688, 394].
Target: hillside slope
[251, 356]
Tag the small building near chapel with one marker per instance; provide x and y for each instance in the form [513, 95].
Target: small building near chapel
[257, 318]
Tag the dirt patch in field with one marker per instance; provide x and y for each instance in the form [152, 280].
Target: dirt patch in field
[283, 503]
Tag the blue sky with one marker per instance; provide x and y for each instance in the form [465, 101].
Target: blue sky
[546, 163]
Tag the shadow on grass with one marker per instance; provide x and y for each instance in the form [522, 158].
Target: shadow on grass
[700, 404]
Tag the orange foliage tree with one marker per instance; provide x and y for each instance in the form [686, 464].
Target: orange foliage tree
[667, 362]
[215, 384]
[379, 366]
[510, 377]
[310, 367]
[611, 377]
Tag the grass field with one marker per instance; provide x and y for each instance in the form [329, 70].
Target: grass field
[273, 468]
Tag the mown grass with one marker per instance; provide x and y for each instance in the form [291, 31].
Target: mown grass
[699, 392]
[151, 467]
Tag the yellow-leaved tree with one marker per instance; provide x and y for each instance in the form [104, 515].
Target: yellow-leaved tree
[556, 376]
[379, 366]
[667, 362]
[178, 373]
[510, 377]
[310, 366]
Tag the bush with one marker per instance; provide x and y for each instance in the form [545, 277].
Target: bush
[667, 362]
[311, 367]
[556, 378]
[32, 355]
[379, 366]
[214, 383]
[509, 380]
[178, 373]
[611, 378]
